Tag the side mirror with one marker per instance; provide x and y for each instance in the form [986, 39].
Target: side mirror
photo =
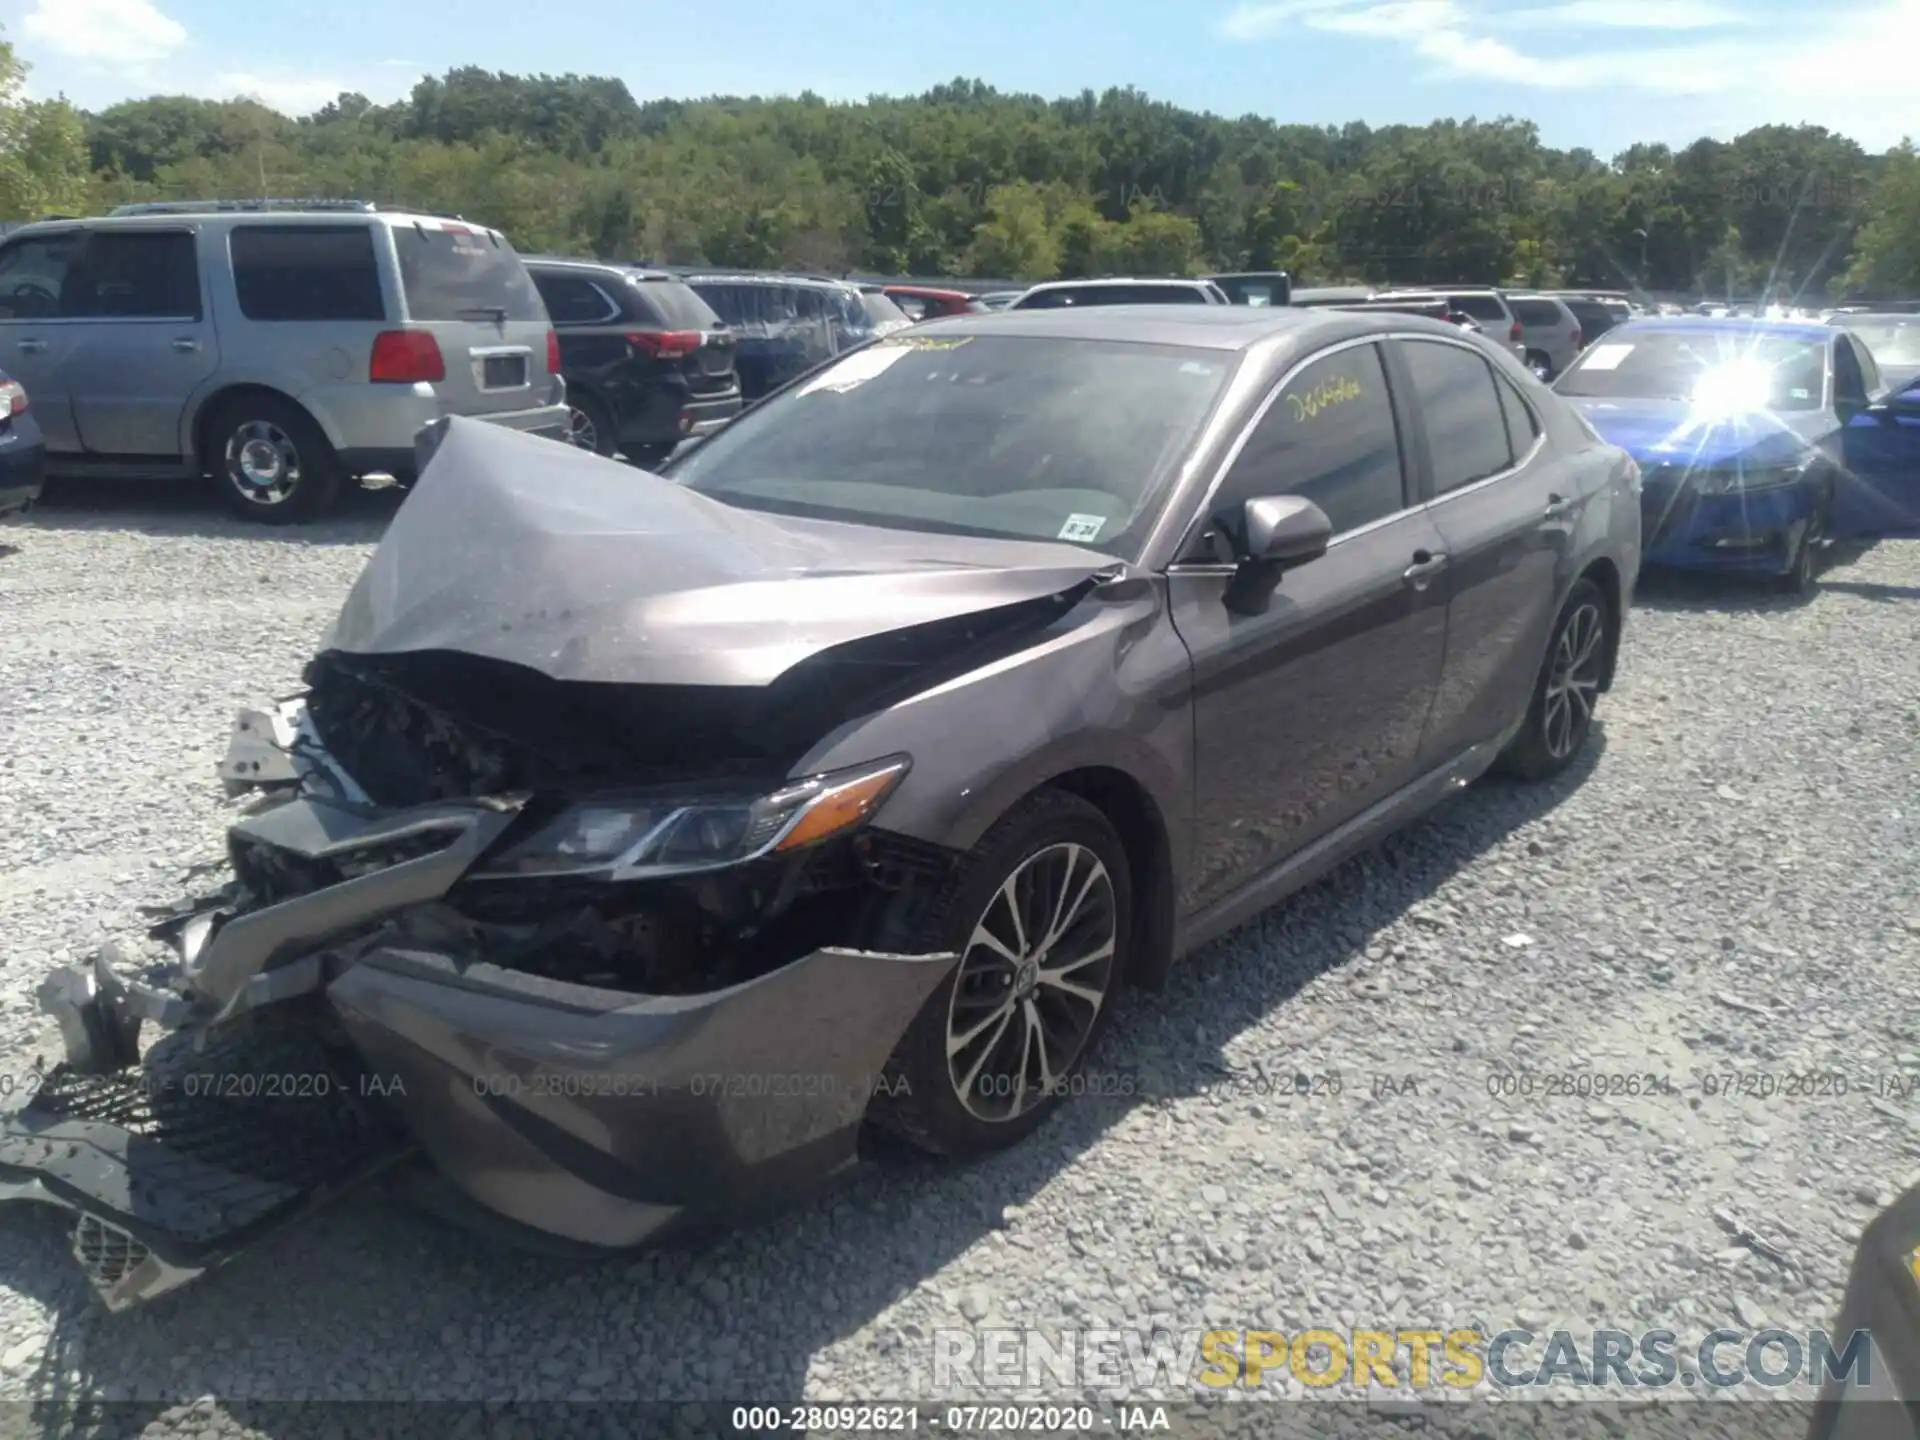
[1287, 530]
[1279, 533]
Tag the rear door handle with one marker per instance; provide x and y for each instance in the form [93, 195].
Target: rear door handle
[33, 347]
[1558, 508]
[1426, 565]
[186, 344]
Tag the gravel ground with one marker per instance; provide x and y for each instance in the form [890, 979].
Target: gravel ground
[1728, 885]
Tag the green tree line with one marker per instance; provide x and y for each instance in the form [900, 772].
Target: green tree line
[967, 180]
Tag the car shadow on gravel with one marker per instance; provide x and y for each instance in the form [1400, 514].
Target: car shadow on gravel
[316, 1311]
[176, 507]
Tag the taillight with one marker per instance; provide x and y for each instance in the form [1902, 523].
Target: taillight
[1515, 333]
[15, 396]
[667, 344]
[553, 352]
[406, 357]
[1578, 338]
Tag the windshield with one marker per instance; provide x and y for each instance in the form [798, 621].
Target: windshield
[1038, 439]
[1710, 368]
[1893, 342]
[1114, 295]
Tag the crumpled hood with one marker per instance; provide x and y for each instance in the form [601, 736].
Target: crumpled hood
[1667, 432]
[527, 550]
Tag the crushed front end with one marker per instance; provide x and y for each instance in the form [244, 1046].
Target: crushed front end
[586, 949]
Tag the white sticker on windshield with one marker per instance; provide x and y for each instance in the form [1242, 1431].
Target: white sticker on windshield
[856, 369]
[1082, 527]
[1606, 357]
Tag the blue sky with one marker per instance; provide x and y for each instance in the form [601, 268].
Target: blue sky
[1599, 73]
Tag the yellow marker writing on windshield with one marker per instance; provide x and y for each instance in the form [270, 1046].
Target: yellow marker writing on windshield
[1336, 390]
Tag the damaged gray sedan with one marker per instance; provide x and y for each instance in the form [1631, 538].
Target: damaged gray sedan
[638, 841]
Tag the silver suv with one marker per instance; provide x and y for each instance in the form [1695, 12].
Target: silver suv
[281, 347]
[1549, 330]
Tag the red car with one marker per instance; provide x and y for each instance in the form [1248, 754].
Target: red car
[925, 302]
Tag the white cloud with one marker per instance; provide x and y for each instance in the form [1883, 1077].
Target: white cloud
[1260, 22]
[1620, 15]
[1843, 74]
[118, 33]
[296, 95]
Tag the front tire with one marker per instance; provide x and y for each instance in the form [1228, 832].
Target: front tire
[271, 462]
[1803, 570]
[1041, 914]
[1560, 714]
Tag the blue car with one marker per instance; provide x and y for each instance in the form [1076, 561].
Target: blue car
[23, 455]
[1756, 439]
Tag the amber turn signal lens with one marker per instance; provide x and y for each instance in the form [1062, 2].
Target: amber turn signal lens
[842, 807]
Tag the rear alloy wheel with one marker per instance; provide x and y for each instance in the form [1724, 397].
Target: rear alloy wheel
[272, 463]
[1040, 915]
[1560, 716]
[1541, 366]
[589, 426]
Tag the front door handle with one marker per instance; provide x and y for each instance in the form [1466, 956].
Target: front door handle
[1426, 565]
[1558, 508]
[186, 344]
[33, 347]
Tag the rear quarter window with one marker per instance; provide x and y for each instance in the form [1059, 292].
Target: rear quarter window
[306, 272]
[1536, 312]
[457, 272]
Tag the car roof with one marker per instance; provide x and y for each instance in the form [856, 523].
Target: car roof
[1201, 327]
[1812, 330]
[1906, 315]
[1117, 280]
[748, 277]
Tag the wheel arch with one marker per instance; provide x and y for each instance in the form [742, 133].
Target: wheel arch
[220, 399]
[1606, 576]
[1143, 832]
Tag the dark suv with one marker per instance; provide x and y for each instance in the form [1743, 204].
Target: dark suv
[647, 362]
[786, 324]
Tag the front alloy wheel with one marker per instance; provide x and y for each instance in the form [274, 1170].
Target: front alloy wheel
[1031, 984]
[1039, 914]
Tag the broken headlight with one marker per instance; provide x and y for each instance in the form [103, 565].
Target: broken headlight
[638, 836]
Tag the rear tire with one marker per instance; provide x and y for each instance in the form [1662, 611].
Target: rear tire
[1560, 714]
[1041, 914]
[271, 462]
[589, 426]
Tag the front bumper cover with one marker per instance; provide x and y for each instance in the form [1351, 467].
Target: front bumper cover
[315, 1041]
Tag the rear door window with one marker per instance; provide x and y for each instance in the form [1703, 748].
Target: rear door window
[306, 272]
[135, 275]
[1466, 427]
[459, 272]
[1522, 428]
